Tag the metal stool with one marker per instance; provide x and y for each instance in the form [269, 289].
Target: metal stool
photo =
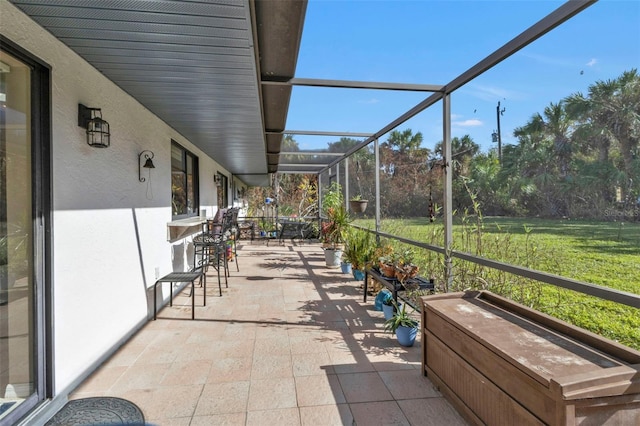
[211, 251]
[182, 277]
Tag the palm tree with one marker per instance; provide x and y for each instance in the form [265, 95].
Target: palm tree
[463, 150]
[610, 116]
[626, 117]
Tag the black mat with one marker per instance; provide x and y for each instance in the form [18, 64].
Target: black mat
[98, 411]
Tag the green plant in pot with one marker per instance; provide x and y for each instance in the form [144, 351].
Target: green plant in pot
[382, 259]
[359, 247]
[405, 266]
[403, 325]
[334, 228]
[389, 307]
[358, 204]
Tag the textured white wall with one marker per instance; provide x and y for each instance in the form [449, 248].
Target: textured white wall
[110, 234]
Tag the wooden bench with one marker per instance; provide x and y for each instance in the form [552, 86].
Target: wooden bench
[499, 362]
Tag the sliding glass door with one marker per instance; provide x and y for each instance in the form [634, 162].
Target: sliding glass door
[22, 305]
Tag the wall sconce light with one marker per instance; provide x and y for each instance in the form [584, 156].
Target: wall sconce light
[217, 179]
[98, 135]
[148, 164]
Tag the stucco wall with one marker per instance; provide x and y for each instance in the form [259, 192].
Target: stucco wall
[109, 229]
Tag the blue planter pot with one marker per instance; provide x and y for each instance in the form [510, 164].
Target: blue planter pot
[358, 275]
[387, 310]
[346, 268]
[406, 335]
[383, 295]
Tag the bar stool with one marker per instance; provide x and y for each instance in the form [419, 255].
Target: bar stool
[210, 250]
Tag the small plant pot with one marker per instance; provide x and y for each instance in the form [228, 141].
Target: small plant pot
[406, 335]
[358, 275]
[387, 270]
[387, 310]
[346, 267]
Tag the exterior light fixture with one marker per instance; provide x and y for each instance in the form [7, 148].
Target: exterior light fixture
[148, 164]
[217, 179]
[98, 135]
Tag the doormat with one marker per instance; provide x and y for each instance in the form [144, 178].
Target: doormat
[98, 411]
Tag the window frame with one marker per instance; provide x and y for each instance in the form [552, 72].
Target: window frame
[185, 154]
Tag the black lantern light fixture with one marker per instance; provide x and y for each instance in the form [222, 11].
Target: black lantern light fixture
[148, 163]
[98, 135]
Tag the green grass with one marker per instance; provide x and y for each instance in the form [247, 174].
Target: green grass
[603, 253]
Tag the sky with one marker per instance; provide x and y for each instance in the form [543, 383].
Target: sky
[433, 42]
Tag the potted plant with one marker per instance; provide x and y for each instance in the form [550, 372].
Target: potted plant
[403, 325]
[404, 265]
[357, 204]
[346, 267]
[335, 227]
[384, 260]
[389, 307]
[358, 250]
[264, 225]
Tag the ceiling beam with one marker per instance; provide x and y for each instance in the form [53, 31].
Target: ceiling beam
[320, 133]
[352, 84]
[318, 153]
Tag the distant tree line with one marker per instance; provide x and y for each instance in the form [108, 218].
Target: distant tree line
[577, 158]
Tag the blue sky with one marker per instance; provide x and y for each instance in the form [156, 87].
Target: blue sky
[432, 42]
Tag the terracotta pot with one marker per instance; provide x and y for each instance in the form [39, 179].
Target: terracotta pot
[387, 270]
[405, 272]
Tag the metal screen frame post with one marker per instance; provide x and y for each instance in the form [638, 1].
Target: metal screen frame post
[346, 184]
[448, 185]
[376, 150]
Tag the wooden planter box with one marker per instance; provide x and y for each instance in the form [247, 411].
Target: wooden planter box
[500, 363]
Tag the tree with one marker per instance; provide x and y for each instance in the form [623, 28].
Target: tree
[463, 150]
[403, 174]
[609, 117]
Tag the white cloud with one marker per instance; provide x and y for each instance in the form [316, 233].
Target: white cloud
[468, 123]
[592, 62]
[544, 59]
[456, 116]
[370, 101]
[489, 93]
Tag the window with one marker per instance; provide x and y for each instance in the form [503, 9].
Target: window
[223, 191]
[184, 182]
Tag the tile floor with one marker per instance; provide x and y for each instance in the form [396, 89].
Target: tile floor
[290, 342]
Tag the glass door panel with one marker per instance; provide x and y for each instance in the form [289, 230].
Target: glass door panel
[18, 360]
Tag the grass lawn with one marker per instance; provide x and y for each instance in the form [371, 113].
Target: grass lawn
[602, 253]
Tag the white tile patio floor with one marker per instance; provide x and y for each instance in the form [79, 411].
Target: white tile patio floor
[290, 342]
